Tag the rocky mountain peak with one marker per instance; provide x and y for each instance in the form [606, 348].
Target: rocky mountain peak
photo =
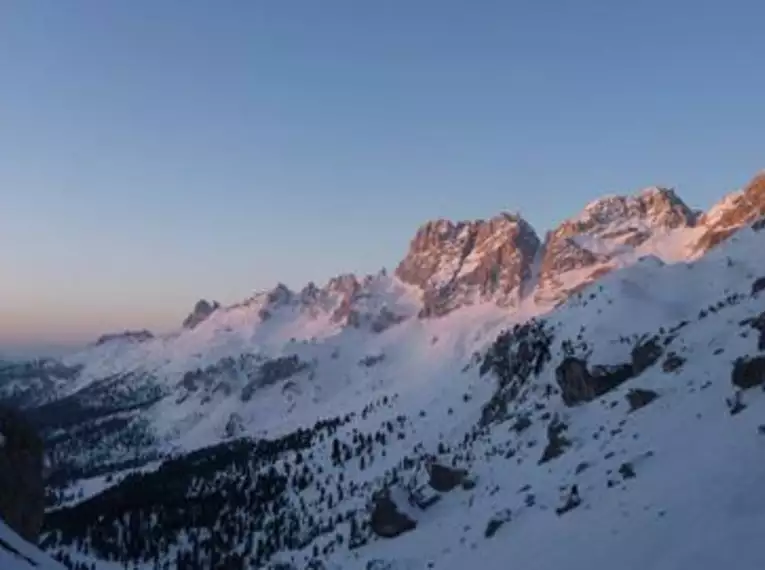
[606, 229]
[457, 263]
[346, 284]
[279, 295]
[653, 207]
[502, 260]
[732, 212]
[202, 310]
[309, 294]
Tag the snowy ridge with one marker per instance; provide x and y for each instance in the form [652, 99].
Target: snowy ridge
[618, 356]
[475, 277]
[653, 476]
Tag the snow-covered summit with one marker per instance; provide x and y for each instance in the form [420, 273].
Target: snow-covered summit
[653, 207]
[612, 232]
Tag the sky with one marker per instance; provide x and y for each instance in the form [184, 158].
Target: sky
[154, 153]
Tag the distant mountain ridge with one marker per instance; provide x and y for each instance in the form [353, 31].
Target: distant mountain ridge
[455, 404]
[502, 260]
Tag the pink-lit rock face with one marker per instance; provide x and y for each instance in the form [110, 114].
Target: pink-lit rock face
[731, 213]
[465, 262]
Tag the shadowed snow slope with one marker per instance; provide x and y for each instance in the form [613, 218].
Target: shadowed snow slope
[16, 554]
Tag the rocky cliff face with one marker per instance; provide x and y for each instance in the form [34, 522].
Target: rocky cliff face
[465, 262]
[460, 263]
[374, 302]
[502, 260]
[731, 213]
[22, 495]
[202, 310]
[588, 245]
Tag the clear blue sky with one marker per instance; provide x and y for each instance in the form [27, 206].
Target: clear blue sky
[155, 152]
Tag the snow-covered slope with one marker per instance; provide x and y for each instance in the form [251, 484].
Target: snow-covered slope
[628, 391]
[262, 432]
[303, 352]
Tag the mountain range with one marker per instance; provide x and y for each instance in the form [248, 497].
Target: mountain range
[431, 417]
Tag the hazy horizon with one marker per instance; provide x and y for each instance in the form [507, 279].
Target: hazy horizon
[157, 153]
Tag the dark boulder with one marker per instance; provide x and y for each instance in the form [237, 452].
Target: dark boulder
[572, 502]
[748, 372]
[575, 381]
[758, 285]
[606, 378]
[627, 471]
[639, 398]
[556, 441]
[578, 385]
[673, 362]
[387, 521]
[758, 324]
[22, 492]
[444, 478]
[645, 354]
[496, 522]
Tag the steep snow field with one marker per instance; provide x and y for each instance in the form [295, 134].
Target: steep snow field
[696, 499]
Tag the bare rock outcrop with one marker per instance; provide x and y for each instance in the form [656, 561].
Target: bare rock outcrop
[130, 336]
[748, 372]
[443, 478]
[732, 213]
[202, 310]
[580, 385]
[459, 263]
[22, 492]
[387, 521]
[606, 229]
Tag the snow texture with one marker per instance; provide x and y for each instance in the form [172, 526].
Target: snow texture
[676, 484]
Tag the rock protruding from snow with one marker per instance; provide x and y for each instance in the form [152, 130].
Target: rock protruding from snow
[592, 243]
[749, 372]
[579, 385]
[575, 381]
[346, 288]
[279, 295]
[202, 310]
[456, 264]
[443, 478]
[387, 520]
[130, 336]
[22, 493]
[731, 213]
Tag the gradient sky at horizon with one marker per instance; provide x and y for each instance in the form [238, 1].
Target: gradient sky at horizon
[152, 153]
